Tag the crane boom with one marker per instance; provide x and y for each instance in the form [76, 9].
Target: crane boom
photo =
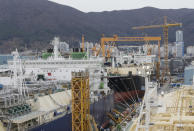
[156, 26]
[116, 38]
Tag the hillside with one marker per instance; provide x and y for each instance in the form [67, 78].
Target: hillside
[33, 23]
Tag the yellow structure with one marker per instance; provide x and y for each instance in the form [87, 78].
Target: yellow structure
[110, 41]
[175, 113]
[116, 120]
[165, 27]
[106, 41]
[80, 101]
[82, 43]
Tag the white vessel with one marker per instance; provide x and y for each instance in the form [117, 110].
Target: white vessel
[57, 68]
[43, 105]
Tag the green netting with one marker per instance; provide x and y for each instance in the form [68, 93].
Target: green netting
[101, 85]
[78, 55]
[46, 55]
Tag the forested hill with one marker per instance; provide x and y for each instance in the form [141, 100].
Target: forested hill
[33, 23]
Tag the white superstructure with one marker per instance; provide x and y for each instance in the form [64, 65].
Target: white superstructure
[58, 68]
[136, 59]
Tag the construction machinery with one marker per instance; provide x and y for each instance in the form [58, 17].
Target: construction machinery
[110, 42]
[165, 27]
[80, 101]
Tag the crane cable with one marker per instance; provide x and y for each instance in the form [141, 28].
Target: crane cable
[135, 89]
[132, 100]
[123, 99]
[122, 96]
[128, 90]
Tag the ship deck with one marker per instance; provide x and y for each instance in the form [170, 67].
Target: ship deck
[174, 111]
[27, 117]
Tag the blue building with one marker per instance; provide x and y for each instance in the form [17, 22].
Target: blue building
[188, 75]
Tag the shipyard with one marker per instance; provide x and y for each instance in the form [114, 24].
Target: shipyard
[118, 66]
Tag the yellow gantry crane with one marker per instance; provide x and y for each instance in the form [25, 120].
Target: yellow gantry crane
[110, 41]
[165, 27]
[106, 41]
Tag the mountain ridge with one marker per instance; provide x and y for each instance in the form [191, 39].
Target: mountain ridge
[34, 23]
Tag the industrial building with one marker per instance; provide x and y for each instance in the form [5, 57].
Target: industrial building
[190, 50]
[188, 75]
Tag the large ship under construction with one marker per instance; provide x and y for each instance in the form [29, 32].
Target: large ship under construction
[126, 81]
[38, 95]
[77, 90]
[126, 87]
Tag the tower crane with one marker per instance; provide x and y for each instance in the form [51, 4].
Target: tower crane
[165, 27]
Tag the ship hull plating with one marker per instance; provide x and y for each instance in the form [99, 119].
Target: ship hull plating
[98, 110]
[127, 87]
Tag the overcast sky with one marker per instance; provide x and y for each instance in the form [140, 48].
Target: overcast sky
[108, 5]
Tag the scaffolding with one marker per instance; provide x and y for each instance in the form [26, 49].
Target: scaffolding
[13, 97]
[80, 101]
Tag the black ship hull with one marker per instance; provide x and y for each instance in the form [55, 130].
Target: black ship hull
[126, 87]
